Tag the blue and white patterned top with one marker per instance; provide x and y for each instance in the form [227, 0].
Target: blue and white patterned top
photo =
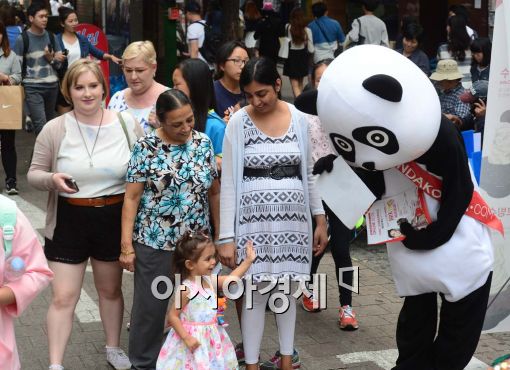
[118, 104]
[175, 196]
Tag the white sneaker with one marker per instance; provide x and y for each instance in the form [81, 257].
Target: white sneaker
[55, 367]
[118, 359]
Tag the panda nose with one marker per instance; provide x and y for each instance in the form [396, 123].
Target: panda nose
[368, 166]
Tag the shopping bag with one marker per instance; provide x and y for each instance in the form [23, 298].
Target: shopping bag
[11, 107]
[284, 47]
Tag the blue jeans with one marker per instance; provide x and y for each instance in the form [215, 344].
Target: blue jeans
[41, 100]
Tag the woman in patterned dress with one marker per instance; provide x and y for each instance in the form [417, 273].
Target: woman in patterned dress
[172, 187]
[267, 196]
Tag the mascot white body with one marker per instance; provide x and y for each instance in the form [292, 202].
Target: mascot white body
[381, 111]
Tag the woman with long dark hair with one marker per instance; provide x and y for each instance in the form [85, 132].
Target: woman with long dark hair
[194, 78]
[230, 60]
[301, 46]
[457, 47]
[10, 74]
[480, 65]
[268, 196]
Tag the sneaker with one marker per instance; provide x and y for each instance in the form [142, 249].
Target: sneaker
[308, 304]
[239, 348]
[347, 318]
[118, 359]
[275, 363]
[55, 367]
[10, 187]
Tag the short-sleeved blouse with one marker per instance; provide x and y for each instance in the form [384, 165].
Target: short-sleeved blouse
[175, 196]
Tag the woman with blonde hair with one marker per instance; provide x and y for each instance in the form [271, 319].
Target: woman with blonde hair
[139, 64]
[81, 160]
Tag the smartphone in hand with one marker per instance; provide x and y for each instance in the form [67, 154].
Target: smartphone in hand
[72, 184]
[50, 48]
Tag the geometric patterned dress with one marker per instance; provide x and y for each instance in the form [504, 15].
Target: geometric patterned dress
[273, 213]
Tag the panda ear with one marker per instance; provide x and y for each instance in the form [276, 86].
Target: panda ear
[307, 102]
[385, 87]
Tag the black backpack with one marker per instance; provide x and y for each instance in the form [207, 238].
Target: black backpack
[212, 42]
[26, 43]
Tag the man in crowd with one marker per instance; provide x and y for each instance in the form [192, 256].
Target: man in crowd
[196, 29]
[368, 27]
[327, 33]
[39, 61]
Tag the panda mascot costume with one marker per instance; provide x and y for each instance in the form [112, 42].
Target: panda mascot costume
[383, 117]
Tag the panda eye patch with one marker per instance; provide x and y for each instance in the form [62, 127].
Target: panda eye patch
[344, 147]
[377, 137]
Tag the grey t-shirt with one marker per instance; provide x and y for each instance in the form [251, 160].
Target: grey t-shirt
[39, 70]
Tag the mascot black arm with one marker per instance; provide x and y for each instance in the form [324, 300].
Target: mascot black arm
[446, 158]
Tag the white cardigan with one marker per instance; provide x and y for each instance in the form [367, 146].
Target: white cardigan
[233, 165]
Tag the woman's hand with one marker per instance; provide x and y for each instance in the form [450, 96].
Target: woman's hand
[320, 236]
[480, 108]
[227, 253]
[127, 257]
[59, 56]
[192, 343]
[114, 59]
[60, 184]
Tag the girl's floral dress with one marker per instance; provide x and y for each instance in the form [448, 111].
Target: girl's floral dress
[215, 352]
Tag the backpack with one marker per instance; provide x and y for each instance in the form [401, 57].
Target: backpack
[212, 42]
[26, 44]
[8, 211]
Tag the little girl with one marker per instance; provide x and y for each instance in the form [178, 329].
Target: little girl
[196, 341]
[18, 240]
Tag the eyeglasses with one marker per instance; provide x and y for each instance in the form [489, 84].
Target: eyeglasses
[239, 62]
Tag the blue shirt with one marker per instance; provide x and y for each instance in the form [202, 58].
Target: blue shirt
[215, 129]
[224, 98]
[327, 34]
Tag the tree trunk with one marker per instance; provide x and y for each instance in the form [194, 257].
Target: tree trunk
[230, 27]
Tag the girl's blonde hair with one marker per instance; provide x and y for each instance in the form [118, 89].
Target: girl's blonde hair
[144, 48]
[75, 71]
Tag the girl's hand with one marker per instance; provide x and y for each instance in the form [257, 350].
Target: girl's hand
[192, 343]
[153, 120]
[250, 251]
[59, 182]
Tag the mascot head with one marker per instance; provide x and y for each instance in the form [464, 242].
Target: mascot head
[379, 109]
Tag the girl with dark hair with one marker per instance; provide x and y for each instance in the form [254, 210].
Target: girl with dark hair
[480, 65]
[268, 195]
[251, 18]
[10, 74]
[457, 47]
[195, 340]
[75, 46]
[172, 188]
[412, 38]
[301, 47]
[230, 60]
[194, 78]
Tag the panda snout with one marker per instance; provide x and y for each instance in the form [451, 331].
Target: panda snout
[368, 166]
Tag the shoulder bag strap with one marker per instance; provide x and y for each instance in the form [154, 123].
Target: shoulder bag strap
[124, 128]
[322, 31]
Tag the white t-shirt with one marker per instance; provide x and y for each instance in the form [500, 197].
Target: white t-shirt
[110, 158]
[196, 31]
[74, 51]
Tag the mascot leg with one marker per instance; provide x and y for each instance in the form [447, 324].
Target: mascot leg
[416, 329]
[459, 329]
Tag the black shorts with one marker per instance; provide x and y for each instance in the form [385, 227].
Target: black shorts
[83, 232]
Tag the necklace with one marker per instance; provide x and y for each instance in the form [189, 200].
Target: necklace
[91, 153]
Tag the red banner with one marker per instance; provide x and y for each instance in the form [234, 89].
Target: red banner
[431, 185]
[97, 38]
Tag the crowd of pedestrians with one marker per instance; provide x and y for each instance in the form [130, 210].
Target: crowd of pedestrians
[166, 179]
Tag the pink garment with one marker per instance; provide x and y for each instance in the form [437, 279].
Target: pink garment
[321, 145]
[36, 277]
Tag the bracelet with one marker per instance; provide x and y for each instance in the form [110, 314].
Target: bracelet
[127, 253]
[224, 241]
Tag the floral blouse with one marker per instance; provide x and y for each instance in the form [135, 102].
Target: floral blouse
[175, 196]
